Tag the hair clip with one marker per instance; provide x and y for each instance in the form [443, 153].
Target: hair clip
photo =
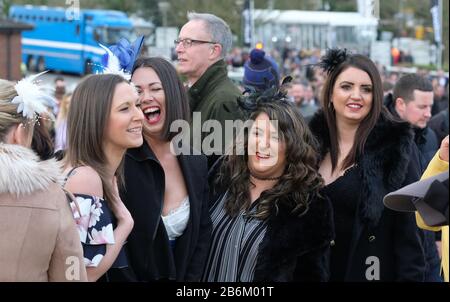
[252, 98]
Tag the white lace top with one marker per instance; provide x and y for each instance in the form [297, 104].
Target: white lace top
[177, 219]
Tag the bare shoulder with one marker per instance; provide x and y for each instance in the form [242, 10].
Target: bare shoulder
[85, 180]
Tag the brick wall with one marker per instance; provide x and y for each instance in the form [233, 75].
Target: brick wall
[15, 56]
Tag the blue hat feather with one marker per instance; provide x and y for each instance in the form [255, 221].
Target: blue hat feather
[125, 52]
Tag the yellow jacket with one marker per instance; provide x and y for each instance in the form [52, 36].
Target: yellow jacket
[435, 167]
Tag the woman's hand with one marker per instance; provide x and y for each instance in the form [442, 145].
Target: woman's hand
[119, 209]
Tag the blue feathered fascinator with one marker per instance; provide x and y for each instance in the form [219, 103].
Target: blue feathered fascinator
[120, 58]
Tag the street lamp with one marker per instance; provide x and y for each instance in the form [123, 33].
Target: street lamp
[164, 8]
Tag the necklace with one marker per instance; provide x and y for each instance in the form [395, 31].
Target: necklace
[266, 178]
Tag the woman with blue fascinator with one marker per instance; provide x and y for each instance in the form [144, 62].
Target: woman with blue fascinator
[166, 191]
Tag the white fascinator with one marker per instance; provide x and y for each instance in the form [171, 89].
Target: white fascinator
[31, 97]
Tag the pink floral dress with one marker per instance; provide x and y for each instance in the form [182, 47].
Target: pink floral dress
[95, 223]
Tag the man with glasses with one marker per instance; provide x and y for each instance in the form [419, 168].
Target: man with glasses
[201, 48]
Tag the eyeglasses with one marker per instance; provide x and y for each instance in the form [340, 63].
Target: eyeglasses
[188, 42]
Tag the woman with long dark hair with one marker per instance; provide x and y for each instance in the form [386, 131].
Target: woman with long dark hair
[364, 156]
[269, 222]
[166, 192]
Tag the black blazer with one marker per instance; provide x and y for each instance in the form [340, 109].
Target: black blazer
[150, 256]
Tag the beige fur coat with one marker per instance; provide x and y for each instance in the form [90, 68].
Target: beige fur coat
[38, 236]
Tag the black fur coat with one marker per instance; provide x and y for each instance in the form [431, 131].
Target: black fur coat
[389, 162]
[297, 248]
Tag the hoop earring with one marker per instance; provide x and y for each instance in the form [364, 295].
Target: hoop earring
[330, 106]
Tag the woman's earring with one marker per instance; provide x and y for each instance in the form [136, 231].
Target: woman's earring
[330, 106]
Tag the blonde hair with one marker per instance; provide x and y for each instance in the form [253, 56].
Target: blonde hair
[63, 109]
[8, 111]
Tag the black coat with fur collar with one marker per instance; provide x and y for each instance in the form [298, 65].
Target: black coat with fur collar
[389, 162]
[297, 248]
[293, 248]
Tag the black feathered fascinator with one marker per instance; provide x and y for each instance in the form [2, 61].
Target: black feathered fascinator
[333, 58]
[252, 98]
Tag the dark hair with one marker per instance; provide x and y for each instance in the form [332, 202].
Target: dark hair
[59, 78]
[365, 127]
[88, 117]
[300, 180]
[405, 86]
[42, 142]
[177, 103]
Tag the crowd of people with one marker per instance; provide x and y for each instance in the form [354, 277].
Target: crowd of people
[295, 193]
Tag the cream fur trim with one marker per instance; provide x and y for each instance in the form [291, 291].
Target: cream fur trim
[22, 173]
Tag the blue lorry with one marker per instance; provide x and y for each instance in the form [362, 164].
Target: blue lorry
[65, 42]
